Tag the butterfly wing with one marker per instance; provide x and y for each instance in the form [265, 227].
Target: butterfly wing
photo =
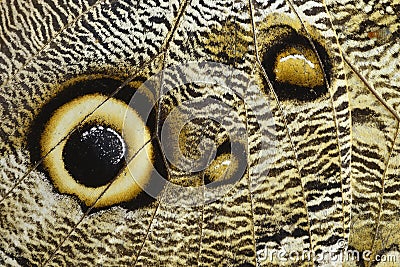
[369, 39]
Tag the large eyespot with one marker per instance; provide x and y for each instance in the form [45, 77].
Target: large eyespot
[295, 68]
[93, 145]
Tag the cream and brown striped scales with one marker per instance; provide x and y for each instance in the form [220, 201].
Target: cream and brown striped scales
[299, 101]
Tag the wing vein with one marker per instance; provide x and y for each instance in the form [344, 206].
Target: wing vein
[53, 253]
[46, 44]
[396, 135]
[258, 62]
[371, 89]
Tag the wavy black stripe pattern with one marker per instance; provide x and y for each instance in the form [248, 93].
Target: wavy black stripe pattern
[327, 180]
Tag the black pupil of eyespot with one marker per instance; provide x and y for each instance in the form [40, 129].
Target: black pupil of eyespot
[94, 155]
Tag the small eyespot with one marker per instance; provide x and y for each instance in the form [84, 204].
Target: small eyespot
[227, 167]
[298, 66]
[96, 147]
[206, 139]
[293, 65]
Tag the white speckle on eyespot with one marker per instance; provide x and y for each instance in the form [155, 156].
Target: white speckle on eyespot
[226, 162]
[297, 56]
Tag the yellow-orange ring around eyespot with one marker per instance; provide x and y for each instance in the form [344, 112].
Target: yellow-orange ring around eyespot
[131, 179]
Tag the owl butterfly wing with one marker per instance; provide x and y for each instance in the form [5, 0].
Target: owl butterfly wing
[369, 36]
[293, 194]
